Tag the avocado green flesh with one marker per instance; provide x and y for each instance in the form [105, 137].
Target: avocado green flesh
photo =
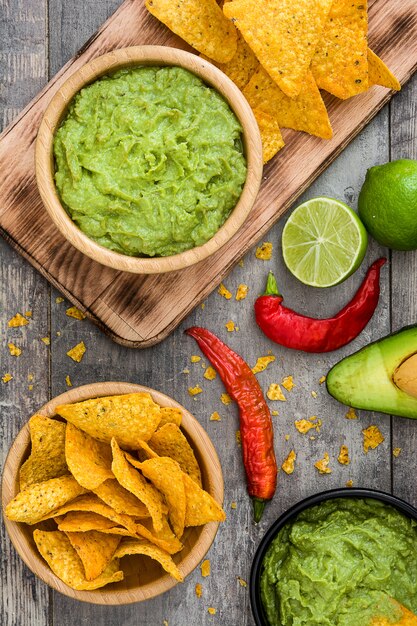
[149, 161]
[364, 380]
[341, 563]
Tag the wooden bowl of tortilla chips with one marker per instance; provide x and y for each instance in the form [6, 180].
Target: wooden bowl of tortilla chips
[101, 493]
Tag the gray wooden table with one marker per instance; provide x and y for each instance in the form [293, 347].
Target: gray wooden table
[36, 39]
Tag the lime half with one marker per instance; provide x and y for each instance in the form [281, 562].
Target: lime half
[323, 242]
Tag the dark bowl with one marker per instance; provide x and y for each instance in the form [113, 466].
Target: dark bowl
[255, 575]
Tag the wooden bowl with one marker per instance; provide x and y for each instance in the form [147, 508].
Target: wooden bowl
[140, 583]
[130, 57]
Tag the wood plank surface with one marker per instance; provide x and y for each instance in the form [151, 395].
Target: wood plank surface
[393, 133]
[141, 310]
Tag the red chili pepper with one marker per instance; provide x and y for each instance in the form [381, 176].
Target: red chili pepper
[255, 419]
[292, 330]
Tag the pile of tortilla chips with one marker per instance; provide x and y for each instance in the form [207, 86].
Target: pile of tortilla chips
[280, 53]
[119, 478]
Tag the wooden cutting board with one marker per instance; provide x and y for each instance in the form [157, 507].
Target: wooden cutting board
[139, 311]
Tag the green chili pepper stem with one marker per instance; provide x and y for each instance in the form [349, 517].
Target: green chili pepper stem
[271, 286]
[258, 509]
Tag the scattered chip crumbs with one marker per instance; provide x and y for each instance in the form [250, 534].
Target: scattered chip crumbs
[262, 363]
[195, 358]
[264, 252]
[242, 292]
[46, 341]
[288, 464]
[17, 320]
[275, 413]
[77, 352]
[186, 370]
[372, 437]
[343, 457]
[210, 373]
[215, 417]
[224, 292]
[198, 590]
[7, 377]
[349, 483]
[225, 399]
[205, 568]
[74, 312]
[287, 437]
[14, 350]
[30, 377]
[68, 381]
[233, 505]
[275, 393]
[59, 299]
[238, 438]
[396, 452]
[242, 582]
[194, 391]
[351, 414]
[230, 326]
[288, 383]
[314, 394]
[322, 380]
[211, 610]
[303, 425]
[323, 464]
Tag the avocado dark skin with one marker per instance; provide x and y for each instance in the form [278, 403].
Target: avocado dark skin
[365, 379]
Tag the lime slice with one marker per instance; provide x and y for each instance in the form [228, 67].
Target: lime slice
[323, 242]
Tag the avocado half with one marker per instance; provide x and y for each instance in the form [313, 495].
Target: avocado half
[382, 376]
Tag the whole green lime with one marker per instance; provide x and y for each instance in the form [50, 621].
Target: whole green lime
[388, 204]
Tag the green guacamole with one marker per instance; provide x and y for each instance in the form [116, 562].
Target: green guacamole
[149, 161]
[339, 563]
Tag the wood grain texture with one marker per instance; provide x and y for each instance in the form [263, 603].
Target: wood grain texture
[140, 311]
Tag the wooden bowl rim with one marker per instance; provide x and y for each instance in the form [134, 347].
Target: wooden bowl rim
[146, 55]
[111, 595]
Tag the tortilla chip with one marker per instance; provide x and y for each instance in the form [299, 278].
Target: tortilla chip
[144, 452]
[40, 499]
[170, 414]
[307, 112]
[89, 460]
[121, 500]
[242, 65]
[200, 506]
[95, 550]
[380, 74]
[340, 64]
[128, 417]
[272, 140]
[47, 457]
[166, 475]
[56, 549]
[283, 34]
[164, 538]
[201, 24]
[83, 521]
[141, 546]
[169, 441]
[134, 482]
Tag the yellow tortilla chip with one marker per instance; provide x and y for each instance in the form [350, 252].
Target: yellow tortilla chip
[144, 452]
[307, 112]
[83, 521]
[77, 352]
[169, 441]
[47, 456]
[340, 64]
[128, 417]
[380, 74]
[283, 34]
[141, 546]
[272, 140]
[201, 24]
[89, 460]
[40, 499]
[134, 482]
[170, 414]
[200, 506]
[262, 363]
[17, 320]
[164, 538]
[289, 463]
[56, 549]
[121, 500]
[95, 550]
[241, 66]
[372, 437]
[74, 312]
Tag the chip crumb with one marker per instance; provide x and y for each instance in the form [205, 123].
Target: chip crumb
[17, 320]
[396, 452]
[351, 414]
[242, 582]
[225, 399]
[264, 252]
[194, 391]
[195, 358]
[30, 387]
[323, 464]
[343, 457]
[242, 291]
[233, 505]
[372, 437]
[30, 377]
[7, 377]
[241, 263]
[303, 425]
[274, 412]
[215, 417]
[68, 381]
[314, 394]
[14, 350]
[262, 363]
[224, 292]
[77, 352]
[288, 383]
[203, 306]
[205, 568]
[74, 312]
[46, 341]
[165, 622]
[58, 333]
[349, 483]
[212, 611]
[198, 590]
[322, 380]
[238, 438]
[275, 393]
[312, 438]
[230, 326]
[59, 299]
[210, 373]
[288, 464]
[185, 370]
[287, 437]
